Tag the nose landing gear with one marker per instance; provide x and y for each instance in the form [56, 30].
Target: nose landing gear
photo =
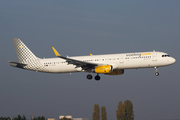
[156, 71]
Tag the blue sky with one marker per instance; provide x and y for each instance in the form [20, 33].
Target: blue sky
[81, 27]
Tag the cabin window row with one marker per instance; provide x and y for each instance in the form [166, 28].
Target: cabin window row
[83, 60]
[101, 59]
[138, 57]
[53, 63]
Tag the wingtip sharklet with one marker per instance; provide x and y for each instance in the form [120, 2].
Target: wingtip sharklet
[55, 52]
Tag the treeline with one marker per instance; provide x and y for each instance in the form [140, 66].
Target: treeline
[124, 112]
[19, 117]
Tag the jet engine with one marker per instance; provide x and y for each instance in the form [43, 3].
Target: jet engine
[116, 72]
[103, 69]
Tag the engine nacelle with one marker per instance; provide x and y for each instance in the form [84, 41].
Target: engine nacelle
[116, 72]
[103, 69]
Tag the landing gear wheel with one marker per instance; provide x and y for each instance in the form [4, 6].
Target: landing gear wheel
[97, 77]
[89, 77]
[156, 73]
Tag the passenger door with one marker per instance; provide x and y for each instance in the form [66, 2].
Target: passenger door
[154, 56]
[121, 60]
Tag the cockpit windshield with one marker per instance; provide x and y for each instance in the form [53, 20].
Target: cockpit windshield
[165, 55]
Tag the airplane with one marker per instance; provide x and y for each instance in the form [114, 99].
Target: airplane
[109, 64]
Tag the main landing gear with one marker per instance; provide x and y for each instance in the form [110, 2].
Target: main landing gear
[156, 71]
[89, 76]
[97, 77]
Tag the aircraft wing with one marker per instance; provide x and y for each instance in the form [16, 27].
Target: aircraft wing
[78, 63]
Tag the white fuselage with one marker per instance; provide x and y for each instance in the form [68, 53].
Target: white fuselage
[118, 61]
[110, 64]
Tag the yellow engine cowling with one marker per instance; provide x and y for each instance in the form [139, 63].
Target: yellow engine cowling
[103, 69]
[116, 72]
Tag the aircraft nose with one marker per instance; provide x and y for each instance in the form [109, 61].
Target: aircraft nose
[173, 60]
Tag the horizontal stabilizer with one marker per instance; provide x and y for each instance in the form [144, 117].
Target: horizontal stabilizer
[16, 64]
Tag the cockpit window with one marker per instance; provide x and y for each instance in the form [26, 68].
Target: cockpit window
[165, 55]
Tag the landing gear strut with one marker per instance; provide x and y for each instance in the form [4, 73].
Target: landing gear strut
[97, 77]
[89, 76]
[156, 71]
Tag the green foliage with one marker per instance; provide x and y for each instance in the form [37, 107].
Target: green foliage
[64, 118]
[120, 113]
[96, 113]
[39, 118]
[5, 118]
[103, 113]
[20, 118]
[129, 110]
[125, 111]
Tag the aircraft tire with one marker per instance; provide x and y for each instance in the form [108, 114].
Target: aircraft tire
[97, 77]
[89, 77]
[157, 74]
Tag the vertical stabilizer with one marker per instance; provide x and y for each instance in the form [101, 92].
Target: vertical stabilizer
[24, 54]
[26, 58]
